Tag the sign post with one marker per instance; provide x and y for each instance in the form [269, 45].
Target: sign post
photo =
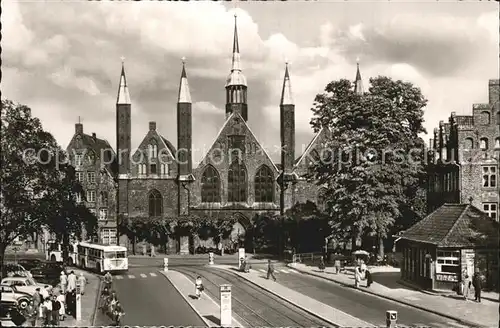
[241, 257]
[211, 258]
[225, 306]
[165, 264]
[78, 303]
[391, 318]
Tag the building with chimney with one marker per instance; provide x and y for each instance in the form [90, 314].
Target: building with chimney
[465, 158]
[236, 178]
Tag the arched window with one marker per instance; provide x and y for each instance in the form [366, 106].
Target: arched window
[141, 169]
[483, 143]
[321, 200]
[153, 149]
[485, 118]
[155, 203]
[104, 198]
[468, 143]
[237, 183]
[264, 185]
[164, 169]
[210, 186]
[497, 143]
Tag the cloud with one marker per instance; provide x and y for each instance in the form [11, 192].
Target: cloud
[65, 62]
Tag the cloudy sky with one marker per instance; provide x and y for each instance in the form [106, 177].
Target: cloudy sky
[63, 59]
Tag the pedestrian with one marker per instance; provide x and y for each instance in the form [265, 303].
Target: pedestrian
[477, 283]
[47, 312]
[37, 299]
[31, 313]
[62, 311]
[467, 285]
[71, 281]
[336, 263]
[82, 281]
[56, 306]
[369, 279]
[321, 265]
[63, 279]
[153, 251]
[198, 287]
[270, 270]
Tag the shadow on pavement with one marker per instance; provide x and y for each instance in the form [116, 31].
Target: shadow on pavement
[389, 280]
[213, 319]
[193, 297]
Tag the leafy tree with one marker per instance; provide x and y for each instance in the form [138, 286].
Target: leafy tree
[373, 158]
[36, 187]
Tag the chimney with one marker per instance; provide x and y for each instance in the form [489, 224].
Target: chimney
[94, 136]
[78, 128]
[152, 126]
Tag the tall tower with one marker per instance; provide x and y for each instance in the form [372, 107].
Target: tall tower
[358, 82]
[184, 142]
[287, 134]
[123, 145]
[236, 83]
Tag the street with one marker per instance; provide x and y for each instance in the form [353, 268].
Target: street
[149, 299]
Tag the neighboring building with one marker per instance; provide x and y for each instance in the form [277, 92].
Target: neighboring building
[93, 159]
[447, 244]
[467, 158]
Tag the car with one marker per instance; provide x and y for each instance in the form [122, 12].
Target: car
[12, 269]
[7, 305]
[28, 264]
[24, 284]
[11, 293]
[48, 272]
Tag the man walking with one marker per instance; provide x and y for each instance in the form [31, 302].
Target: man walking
[71, 281]
[270, 270]
[64, 282]
[477, 283]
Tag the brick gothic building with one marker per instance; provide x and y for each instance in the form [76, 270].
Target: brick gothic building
[467, 156]
[236, 177]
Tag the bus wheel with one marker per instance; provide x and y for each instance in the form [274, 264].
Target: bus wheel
[53, 258]
[70, 261]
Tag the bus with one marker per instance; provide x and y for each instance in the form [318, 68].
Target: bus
[53, 252]
[102, 258]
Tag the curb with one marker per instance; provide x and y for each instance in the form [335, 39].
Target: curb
[290, 302]
[462, 321]
[208, 323]
[94, 314]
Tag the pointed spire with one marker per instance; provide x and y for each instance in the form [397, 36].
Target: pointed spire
[184, 94]
[286, 93]
[123, 94]
[236, 77]
[358, 83]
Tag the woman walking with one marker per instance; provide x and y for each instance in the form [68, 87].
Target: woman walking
[198, 285]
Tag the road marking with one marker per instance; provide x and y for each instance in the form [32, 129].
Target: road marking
[262, 270]
[119, 277]
[285, 271]
[131, 276]
[143, 275]
[293, 271]
[152, 274]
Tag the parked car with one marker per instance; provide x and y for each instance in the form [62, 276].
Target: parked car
[29, 264]
[11, 269]
[11, 293]
[24, 284]
[7, 305]
[47, 272]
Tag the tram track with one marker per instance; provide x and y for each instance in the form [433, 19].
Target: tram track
[252, 304]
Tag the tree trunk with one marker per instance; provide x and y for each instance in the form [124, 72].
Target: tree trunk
[65, 248]
[381, 247]
[2, 256]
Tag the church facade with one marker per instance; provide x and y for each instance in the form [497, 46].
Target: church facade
[236, 177]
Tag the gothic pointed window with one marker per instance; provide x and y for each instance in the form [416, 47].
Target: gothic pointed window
[264, 185]
[210, 186]
[155, 203]
[153, 149]
[237, 182]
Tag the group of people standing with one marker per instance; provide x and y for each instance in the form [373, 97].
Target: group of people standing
[476, 281]
[48, 309]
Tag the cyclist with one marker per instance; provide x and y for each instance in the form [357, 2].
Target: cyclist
[104, 298]
[117, 313]
[108, 280]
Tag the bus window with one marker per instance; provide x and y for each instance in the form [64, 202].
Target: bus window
[121, 255]
[109, 255]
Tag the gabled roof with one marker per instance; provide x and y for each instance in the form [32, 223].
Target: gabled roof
[308, 148]
[251, 133]
[448, 226]
[98, 145]
[167, 144]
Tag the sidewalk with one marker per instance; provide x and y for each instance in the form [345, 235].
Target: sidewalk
[206, 308]
[483, 314]
[308, 304]
[89, 301]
